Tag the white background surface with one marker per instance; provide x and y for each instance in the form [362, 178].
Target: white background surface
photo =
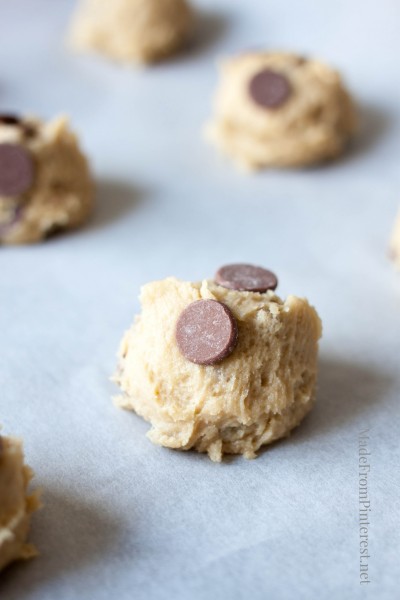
[125, 519]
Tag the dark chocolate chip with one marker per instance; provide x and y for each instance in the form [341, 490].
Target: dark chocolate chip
[1, 446]
[29, 130]
[16, 170]
[247, 278]
[269, 88]
[9, 119]
[206, 332]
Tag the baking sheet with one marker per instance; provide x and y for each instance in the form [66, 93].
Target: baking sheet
[125, 519]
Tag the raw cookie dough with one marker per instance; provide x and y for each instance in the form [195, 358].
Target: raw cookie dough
[45, 184]
[132, 31]
[394, 247]
[16, 505]
[280, 110]
[253, 385]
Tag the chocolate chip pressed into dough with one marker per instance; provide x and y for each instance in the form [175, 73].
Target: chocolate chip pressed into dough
[206, 332]
[269, 88]
[9, 119]
[17, 170]
[245, 277]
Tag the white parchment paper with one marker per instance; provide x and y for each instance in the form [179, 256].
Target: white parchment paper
[122, 518]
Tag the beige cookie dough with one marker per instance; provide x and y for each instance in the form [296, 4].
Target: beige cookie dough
[132, 31]
[394, 248]
[256, 395]
[16, 504]
[51, 188]
[313, 123]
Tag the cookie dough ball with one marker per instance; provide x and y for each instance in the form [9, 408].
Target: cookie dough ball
[16, 505]
[132, 31]
[394, 248]
[45, 184]
[222, 366]
[280, 110]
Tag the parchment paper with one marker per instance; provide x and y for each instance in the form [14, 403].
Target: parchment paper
[122, 518]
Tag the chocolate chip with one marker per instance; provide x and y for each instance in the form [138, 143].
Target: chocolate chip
[270, 89]
[206, 332]
[8, 119]
[16, 170]
[247, 278]
[1, 446]
[28, 130]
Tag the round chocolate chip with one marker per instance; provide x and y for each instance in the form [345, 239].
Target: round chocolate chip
[206, 332]
[9, 119]
[16, 170]
[246, 278]
[270, 89]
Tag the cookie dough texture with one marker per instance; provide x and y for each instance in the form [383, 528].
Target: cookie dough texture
[132, 31]
[313, 125]
[394, 247]
[16, 505]
[253, 397]
[62, 193]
